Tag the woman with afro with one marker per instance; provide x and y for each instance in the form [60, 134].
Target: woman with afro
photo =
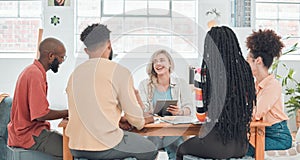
[264, 46]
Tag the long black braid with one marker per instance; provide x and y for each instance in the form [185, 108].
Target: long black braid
[223, 64]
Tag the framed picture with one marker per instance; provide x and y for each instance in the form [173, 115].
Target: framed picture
[58, 2]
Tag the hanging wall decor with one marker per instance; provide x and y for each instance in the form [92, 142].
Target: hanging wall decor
[55, 20]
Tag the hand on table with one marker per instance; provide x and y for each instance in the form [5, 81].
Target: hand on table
[148, 117]
[124, 124]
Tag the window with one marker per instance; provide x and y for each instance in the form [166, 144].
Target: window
[19, 24]
[136, 8]
[283, 16]
[241, 13]
[139, 25]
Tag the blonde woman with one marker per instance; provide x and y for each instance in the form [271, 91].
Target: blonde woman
[161, 85]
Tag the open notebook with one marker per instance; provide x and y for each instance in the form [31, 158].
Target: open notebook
[180, 119]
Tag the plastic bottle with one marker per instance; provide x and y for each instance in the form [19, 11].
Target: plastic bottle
[201, 113]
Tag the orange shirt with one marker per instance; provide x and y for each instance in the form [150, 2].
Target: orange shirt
[29, 103]
[269, 105]
[98, 91]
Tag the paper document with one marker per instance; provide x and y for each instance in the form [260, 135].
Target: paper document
[180, 119]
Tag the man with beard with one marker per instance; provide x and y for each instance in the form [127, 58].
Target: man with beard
[28, 127]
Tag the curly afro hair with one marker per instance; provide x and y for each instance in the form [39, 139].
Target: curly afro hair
[265, 44]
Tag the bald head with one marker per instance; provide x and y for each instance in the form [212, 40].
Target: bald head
[50, 45]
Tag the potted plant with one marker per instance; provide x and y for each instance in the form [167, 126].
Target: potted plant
[214, 21]
[293, 93]
[293, 103]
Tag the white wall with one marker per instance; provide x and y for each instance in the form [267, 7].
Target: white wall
[10, 70]
[65, 32]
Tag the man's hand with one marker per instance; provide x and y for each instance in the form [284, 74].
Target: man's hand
[148, 117]
[124, 124]
[54, 114]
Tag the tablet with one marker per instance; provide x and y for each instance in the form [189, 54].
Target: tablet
[162, 105]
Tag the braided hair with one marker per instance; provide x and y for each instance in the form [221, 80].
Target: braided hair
[223, 66]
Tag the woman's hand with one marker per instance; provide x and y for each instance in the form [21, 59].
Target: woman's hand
[175, 110]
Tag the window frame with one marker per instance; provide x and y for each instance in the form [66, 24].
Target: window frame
[129, 15]
[21, 53]
[194, 17]
[277, 21]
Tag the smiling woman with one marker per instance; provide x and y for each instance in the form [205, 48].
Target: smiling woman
[161, 85]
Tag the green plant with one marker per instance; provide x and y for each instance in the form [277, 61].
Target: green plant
[293, 102]
[274, 67]
[213, 11]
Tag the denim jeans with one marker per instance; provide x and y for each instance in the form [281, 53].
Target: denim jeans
[5, 108]
[277, 137]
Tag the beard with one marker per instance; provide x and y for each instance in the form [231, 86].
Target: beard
[54, 65]
[111, 54]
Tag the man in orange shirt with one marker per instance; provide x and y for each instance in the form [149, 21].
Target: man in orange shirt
[28, 127]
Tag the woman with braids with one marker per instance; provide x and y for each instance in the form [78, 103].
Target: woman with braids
[161, 85]
[263, 46]
[228, 94]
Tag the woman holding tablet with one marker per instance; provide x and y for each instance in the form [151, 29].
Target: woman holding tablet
[162, 86]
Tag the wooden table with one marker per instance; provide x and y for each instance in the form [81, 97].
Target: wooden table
[167, 129]
[257, 138]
